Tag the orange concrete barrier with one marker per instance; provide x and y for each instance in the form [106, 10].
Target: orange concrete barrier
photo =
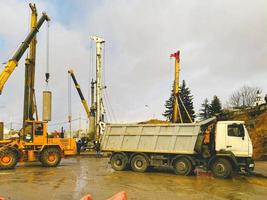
[118, 196]
[87, 197]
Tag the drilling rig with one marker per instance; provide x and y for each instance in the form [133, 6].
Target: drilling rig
[33, 142]
[95, 114]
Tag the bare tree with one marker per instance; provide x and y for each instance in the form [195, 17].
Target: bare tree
[245, 96]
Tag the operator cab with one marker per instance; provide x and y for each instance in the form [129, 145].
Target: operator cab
[33, 131]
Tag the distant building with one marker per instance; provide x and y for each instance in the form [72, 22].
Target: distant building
[259, 99]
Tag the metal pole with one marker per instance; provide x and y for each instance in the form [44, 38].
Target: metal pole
[176, 108]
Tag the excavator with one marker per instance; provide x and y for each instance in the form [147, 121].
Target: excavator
[33, 143]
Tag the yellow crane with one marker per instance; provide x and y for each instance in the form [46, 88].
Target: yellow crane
[89, 112]
[34, 142]
[78, 88]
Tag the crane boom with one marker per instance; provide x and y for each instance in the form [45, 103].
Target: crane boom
[12, 63]
[84, 102]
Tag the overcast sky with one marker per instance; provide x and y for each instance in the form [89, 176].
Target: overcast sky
[223, 46]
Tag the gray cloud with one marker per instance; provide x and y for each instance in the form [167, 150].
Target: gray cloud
[222, 44]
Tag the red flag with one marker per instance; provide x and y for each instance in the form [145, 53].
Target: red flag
[176, 56]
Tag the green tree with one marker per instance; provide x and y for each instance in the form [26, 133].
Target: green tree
[168, 113]
[205, 110]
[215, 106]
[187, 99]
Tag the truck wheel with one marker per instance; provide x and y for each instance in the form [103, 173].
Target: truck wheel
[139, 163]
[8, 159]
[50, 157]
[118, 161]
[222, 168]
[183, 166]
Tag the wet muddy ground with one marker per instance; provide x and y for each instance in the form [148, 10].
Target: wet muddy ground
[81, 175]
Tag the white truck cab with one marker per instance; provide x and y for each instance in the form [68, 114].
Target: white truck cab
[233, 136]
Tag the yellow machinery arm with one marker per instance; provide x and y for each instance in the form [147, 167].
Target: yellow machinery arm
[12, 63]
[84, 102]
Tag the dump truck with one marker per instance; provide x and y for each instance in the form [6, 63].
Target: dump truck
[223, 147]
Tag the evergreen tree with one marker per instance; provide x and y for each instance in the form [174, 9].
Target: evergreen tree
[215, 106]
[205, 110]
[169, 107]
[187, 99]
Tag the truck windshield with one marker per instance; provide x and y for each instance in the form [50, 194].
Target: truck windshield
[236, 130]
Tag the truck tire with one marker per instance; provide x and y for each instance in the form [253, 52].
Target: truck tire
[222, 168]
[118, 161]
[50, 157]
[139, 163]
[183, 166]
[8, 159]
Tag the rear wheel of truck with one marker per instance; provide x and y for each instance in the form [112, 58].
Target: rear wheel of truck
[50, 157]
[222, 168]
[139, 163]
[183, 166]
[118, 161]
[8, 159]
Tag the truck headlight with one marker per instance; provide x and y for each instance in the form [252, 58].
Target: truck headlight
[251, 165]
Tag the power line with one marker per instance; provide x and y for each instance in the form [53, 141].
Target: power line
[108, 100]
[108, 112]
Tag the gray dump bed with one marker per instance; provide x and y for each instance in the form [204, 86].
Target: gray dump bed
[156, 138]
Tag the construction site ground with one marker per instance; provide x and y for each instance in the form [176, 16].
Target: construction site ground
[78, 176]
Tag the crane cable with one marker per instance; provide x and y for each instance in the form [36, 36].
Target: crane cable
[91, 71]
[105, 92]
[47, 74]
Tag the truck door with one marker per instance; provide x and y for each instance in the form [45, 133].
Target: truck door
[237, 140]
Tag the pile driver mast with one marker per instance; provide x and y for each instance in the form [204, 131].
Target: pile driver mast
[99, 88]
[177, 99]
[29, 96]
[176, 108]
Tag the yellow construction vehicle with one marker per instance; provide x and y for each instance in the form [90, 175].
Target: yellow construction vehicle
[84, 102]
[33, 142]
[89, 112]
